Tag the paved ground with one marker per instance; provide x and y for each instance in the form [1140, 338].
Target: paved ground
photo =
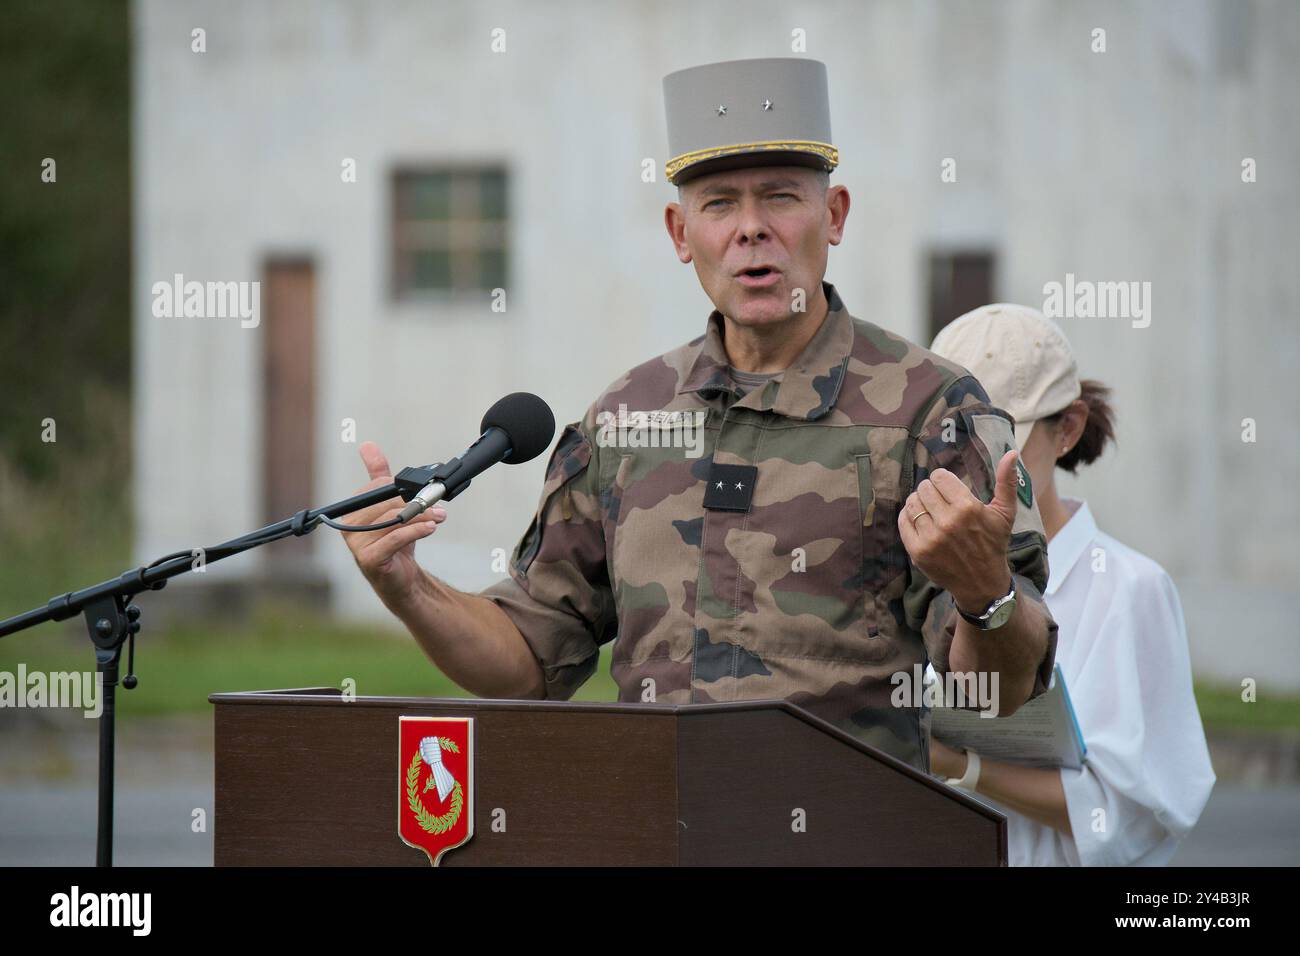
[1245, 827]
[44, 825]
[48, 786]
[47, 800]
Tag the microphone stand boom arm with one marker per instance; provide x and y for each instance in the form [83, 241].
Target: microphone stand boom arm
[112, 620]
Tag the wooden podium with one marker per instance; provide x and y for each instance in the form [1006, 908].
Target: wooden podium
[305, 778]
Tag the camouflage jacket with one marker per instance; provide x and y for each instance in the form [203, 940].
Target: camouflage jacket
[809, 595]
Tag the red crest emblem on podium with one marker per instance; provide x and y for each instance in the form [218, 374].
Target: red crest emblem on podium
[435, 803]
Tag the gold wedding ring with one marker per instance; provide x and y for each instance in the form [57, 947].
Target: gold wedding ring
[917, 515]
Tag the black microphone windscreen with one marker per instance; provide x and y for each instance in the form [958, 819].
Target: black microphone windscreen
[527, 420]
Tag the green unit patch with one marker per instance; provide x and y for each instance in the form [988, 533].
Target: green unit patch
[1026, 490]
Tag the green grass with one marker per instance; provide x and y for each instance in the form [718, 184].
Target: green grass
[62, 553]
[180, 668]
[1222, 707]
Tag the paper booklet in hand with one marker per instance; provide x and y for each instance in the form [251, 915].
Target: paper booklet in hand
[1044, 732]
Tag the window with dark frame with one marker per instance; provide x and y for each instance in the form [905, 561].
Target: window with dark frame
[449, 230]
[958, 282]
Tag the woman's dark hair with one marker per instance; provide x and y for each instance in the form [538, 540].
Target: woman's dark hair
[1097, 430]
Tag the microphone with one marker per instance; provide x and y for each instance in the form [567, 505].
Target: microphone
[516, 429]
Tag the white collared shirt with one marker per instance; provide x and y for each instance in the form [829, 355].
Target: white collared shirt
[1122, 646]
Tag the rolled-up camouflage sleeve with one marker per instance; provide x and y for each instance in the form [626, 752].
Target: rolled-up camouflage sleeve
[558, 591]
[965, 434]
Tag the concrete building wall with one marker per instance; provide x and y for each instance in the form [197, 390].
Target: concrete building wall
[1122, 165]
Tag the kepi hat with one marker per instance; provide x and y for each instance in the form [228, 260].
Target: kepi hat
[764, 112]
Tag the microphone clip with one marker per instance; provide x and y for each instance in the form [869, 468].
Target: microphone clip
[411, 480]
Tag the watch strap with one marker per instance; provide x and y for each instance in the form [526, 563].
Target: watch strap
[982, 620]
[971, 778]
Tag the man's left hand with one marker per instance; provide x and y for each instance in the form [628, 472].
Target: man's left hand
[956, 540]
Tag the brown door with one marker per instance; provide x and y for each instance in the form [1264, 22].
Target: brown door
[959, 282]
[288, 390]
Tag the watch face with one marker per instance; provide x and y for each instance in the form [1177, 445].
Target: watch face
[1002, 614]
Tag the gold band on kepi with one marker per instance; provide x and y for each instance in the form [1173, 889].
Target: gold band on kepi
[773, 111]
[825, 150]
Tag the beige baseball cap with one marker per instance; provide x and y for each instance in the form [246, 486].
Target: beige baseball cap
[1019, 355]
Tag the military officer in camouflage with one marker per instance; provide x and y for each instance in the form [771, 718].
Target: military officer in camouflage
[797, 504]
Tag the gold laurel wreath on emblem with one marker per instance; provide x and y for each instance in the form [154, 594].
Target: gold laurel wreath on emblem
[428, 821]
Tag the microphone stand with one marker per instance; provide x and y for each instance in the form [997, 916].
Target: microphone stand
[112, 620]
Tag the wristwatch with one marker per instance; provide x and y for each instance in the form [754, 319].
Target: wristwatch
[996, 614]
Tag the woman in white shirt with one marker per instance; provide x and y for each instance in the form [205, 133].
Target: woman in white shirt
[1121, 644]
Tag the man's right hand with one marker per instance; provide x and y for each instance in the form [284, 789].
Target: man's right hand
[467, 636]
[387, 558]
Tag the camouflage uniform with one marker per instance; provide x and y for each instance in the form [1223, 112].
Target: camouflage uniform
[707, 605]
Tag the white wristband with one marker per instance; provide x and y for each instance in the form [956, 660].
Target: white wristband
[971, 778]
